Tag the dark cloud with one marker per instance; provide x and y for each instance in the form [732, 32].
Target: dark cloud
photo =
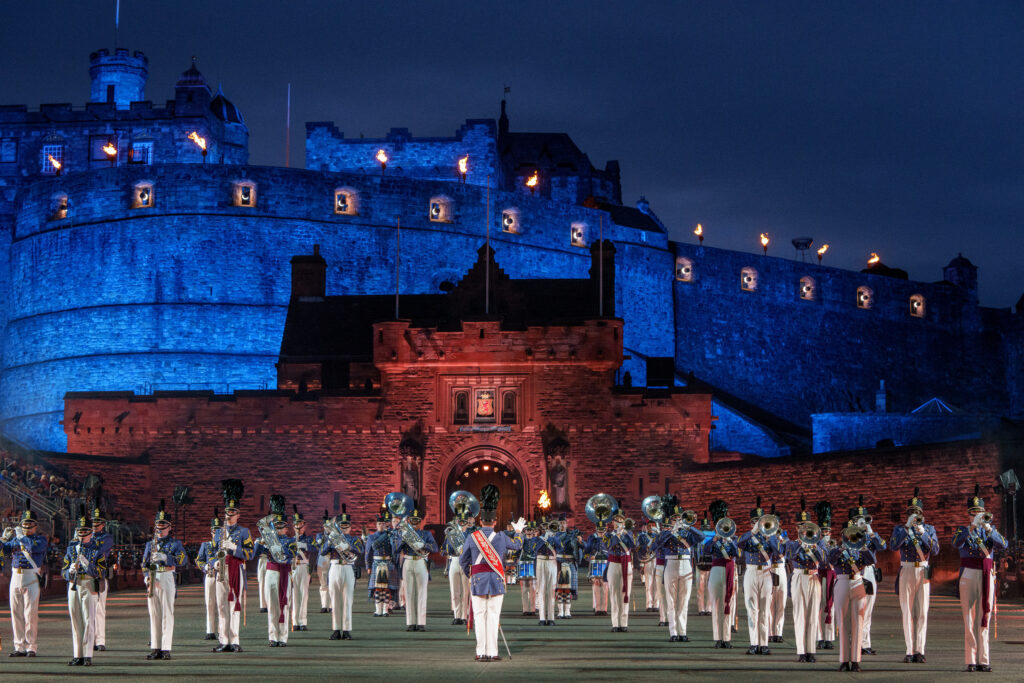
[888, 127]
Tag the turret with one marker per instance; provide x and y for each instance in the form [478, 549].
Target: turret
[118, 78]
[191, 93]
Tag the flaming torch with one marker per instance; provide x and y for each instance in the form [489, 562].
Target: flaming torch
[200, 142]
[699, 232]
[111, 151]
[764, 242]
[544, 502]
[56, 164]
[382, 157]
[463, 167]
[531, 183]
[821, 252]
[873, 260]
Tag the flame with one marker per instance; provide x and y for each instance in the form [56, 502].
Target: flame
[764, 239]
[699, 230]
[463, 164]
[543, 502]
[382, 156]
[56, 164]
[110, 150]
[532, 180]
[194, 137]
[874, 259]
[824, 248]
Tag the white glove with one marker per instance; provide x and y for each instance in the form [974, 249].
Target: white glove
[417, 545]
[519, 525]
[228, 544]
[8, 534]
[83, 563]
[302, 546]
[868, 530]
[158, 557]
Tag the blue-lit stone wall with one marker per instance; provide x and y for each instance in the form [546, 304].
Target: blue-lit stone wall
[797, 357]
[857, 431]
[192, 292]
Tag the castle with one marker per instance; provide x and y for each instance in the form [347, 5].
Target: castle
[165, 267]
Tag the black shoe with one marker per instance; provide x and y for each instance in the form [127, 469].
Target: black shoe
[623, 629]
[684, 638]
[672, 639]
[236, 648]
[662, 623]
[335, 635]
[802, 658]
[77, 661]
[455, 622]
[919, 659]
[18, 653]
[718, 644]
[542, 623]
[752, 650]
[221, 648]
[87, 661]
[854, 666]
[812, 659]
[985, 667]
[828, 645]
[303, 628]
[155, 654]
[867, 651]
[410, 628]
[273, 643]
[735, 629]
[282, 643]
[482, 658]
[324, 610]
[208, 636]
[346, 635]
[263, 610]
[30, 653]
[821, 644]
[99, 648]
[727, 644]
[909, 659]
[845, 666]
[550, 623]
[165, 654]
[764, 650]
[615, 629]
[971, 668]
[421, 628]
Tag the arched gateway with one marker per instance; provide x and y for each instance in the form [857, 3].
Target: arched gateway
[478, 466]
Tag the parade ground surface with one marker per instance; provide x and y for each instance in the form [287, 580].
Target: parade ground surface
[583, 648]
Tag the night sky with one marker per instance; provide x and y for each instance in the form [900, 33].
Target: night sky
[886, 127]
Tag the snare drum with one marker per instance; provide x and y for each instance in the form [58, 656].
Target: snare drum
[527, 570]
[598, 568]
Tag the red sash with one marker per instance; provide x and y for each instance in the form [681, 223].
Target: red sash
[828, 581]
[235, 567]
[985, 564]
[627, 562]
[730, 577]
[285, 570]
[488, 551]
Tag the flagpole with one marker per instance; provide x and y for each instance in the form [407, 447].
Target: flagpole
[487, 262]
[600, 266]
[288, 129]
[117, 22]
[398, 258]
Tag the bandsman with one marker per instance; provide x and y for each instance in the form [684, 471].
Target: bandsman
[645, 555]
[916, 542]
[84, 567]
[872, 574]
[383, 580]
[780, 594]
[722, 582]
[703, 569]
[342, 549]
[279, 548]
[620, 570]
[806, 555]
[677, 544]
[458, 583]
[207, 560]
[26, 548]
[414, 570]
[545, 549]
[976, 543]
[758, 548]
[826, 619]
[162, 557]
[231, 589]
[595, 552]
[106, 543]
[527, 570]
[848, 560]
[570, 553]
[306, 554]
[323, 568]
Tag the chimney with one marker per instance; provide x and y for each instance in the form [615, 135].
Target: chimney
[309, 275]
[881, 398]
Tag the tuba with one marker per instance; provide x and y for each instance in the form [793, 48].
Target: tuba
[401, 506]
[268, 536]
[462, 503]
[652, 509]
[768, 525]
[601, 507]
[338, 541]
[809, 533]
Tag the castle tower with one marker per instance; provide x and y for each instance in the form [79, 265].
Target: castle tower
[119, 78]
[964, 274]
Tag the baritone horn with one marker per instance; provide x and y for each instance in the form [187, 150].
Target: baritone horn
[725, 527]
[601, 507]
[854, 538]
[810, 533]
[653, 509]
[768, 525]
[464, 504]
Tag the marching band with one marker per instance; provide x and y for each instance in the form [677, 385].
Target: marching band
[828, 584]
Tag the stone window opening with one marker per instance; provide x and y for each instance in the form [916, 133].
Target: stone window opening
[684, 270]
[59, 207]
[47, 165]
[577, 234]
[141, 153]
[461, 414]
[917, 307]
[808, 288]
[865, 297]
[440, 210]
[245, 194]
[510, 221]
[346, 202]
[508, 407]
[748, 280]
[142, 196]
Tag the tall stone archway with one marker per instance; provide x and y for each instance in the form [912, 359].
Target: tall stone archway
[477, 466]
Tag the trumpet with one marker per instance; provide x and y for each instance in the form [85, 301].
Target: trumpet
[982, 519]
[725, 527]
[809, 533]
[864, 522]
[767, 525]
[915, 519]
[854, 538]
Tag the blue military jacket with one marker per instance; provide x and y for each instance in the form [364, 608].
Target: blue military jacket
[970, 544]
[801, 556]
[486, 583]
[242, 539]
[35, 544]
[752, 544]
[308, 546]
[670, 544]
[721, 548]
[355, 546]
[206, 558]
[287, 549]
[906, 542]
[95, 564]
[173, 550]
[849, 562]
[398, 545]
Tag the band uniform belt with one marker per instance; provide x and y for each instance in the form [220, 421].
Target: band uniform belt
[415, 557]
[851, 577]
[566, 557]
[165, 569]
[801, 570]
[343, 564]
[907, 563]
[84, 579]
[23, 570]
[381, 558]
[778, 564]
[677, 557]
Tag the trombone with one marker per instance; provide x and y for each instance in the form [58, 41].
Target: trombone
[725, 529]
[809, 533]
[767, 525]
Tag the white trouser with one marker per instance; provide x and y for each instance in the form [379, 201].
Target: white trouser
[299, 597]
[161, 611]
[850, 601]
[678, 583]
[261, 578]
[341, 582]
[869, 605]
[277, 628]
[702, 590]
[650, 586]
[458, 586]
[101, 614]
[486, 613]
[414, 575]
[323, 568]
[547, 574]
[659, 581]
[721, 623]
[732, 603]
[24, 602]
[972, 583]
[914, 594]
[806, 608]
[82, 607]
[827, 618]
[618, 575]
[757, 595]
[228, 619]
[777, 610]
[210, 595]
[528, 589]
